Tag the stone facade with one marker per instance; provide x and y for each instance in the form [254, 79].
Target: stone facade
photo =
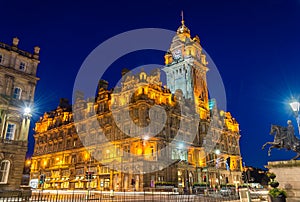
[17, 86]
[287, 174]
[141, 133]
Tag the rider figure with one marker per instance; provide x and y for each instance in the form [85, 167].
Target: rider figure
[290, 134]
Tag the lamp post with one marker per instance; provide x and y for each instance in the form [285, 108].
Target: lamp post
[295, 105]
[218, 152]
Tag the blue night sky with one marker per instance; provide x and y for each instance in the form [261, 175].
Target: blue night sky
[254, 44]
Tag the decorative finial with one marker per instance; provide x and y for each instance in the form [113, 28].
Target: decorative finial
[37, 50]
[182, 28]
[15, 41]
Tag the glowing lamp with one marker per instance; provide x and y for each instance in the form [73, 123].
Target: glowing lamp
[28, 162]
[295, 106]
[217, 151]
[139, 151]
[27, 110]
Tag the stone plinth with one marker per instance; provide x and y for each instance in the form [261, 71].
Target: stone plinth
[288, 175]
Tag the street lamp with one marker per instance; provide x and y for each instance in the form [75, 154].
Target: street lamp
[295, 105]
[218, 152]
[27, 112]
[28, 162]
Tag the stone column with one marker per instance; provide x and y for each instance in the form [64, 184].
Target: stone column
[4, 117]
[111, 179]
[24, 129]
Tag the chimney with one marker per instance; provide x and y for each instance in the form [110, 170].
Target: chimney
[103, 84]
[124, 71]
[64, 103]
[36, 52]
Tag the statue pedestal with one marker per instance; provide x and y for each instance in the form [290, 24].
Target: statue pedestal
[288, 175]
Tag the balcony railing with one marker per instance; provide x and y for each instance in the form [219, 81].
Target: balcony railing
[21, 52]
[13, 142]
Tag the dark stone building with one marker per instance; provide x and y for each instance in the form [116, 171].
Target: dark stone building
[17, 86]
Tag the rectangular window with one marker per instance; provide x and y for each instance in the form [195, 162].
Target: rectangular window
[1, 58]
[4, 171]
[10, 131]
[22, 66]
[59, 145]
[68, 143]
[75, 142]
[73, 159]
[17, 93]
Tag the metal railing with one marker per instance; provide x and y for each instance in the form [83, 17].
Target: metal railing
[97, 196]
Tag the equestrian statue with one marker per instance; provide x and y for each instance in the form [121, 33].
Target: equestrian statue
[284, 137]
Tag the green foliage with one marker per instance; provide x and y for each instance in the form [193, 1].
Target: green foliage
[274, 184]
[275, 192]
[228, 185]
[271, 175]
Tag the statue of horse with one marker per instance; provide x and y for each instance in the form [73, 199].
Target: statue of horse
[284, 137]
[279, 133]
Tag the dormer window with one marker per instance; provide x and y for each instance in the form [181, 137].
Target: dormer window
[17, 93]
[22, 66]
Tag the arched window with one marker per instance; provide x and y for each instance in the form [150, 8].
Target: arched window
[17, 93]
[4, 171]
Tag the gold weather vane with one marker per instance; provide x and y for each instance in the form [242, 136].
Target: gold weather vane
[182, 19]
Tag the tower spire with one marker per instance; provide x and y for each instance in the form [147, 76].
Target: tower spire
[183, 29]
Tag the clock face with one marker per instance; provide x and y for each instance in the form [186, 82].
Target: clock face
[177, 54]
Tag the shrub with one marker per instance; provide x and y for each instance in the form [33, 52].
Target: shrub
[276, 193]
[274, 184]
[199, 184]
[271, 176]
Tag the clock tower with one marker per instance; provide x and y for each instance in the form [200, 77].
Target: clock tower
[186, 67]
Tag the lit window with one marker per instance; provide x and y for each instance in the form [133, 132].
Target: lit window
[10, 131]
[17, 93]
[4, 171]
[22, 66]
[74, 142]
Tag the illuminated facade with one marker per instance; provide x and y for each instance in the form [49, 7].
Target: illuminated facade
[17, 86]
[103, 145]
